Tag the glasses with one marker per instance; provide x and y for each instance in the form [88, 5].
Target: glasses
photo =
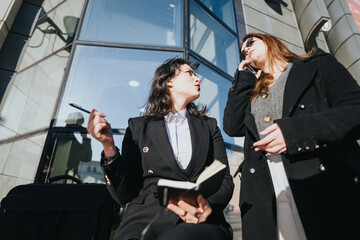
[249, 42]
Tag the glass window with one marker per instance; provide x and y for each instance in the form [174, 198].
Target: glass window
[50, 4]
[212, 41]
[115, 81]
[52, 32]
[30, 102]
[214, 91]
[144, 22]
[223, 9]
[77, 154]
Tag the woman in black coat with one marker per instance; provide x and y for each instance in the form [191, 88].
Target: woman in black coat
[174, 140]
[301, 118]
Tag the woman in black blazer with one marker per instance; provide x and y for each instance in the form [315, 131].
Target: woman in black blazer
[301, 118]
[174, 140]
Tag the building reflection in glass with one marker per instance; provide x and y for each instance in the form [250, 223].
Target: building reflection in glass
[53, 30]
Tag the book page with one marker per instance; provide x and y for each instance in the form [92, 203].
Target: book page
[211, 170]
[177, 184]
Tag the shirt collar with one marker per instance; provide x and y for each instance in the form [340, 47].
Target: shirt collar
[180, 116]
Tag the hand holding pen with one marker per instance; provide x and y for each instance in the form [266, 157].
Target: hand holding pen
[100, 129]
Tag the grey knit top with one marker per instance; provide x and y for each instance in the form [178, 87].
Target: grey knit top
[268, 107]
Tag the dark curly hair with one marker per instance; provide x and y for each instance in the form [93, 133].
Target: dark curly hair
[159, 103]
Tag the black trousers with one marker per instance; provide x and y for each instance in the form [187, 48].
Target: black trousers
[188, 231]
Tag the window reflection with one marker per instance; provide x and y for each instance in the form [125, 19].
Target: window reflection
[156, 23]
[115, 81]
[214, 90]
[212, 41]
[74, 152]
[52, 32]
[31, 98]
[223, 9]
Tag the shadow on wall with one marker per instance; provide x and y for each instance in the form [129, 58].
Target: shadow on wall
[276, 5]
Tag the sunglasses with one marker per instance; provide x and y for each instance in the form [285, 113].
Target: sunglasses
[249, 42]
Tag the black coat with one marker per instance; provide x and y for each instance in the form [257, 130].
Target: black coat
[147, 156]
[320, 124]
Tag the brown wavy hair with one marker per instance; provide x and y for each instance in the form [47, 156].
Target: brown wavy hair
[276, 52]
[159, 103]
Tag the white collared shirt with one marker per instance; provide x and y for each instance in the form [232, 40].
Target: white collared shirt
[178, 131]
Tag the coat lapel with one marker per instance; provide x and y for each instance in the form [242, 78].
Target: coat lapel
[160, 139]
[199, 132]
[251, 125]
[300, 76]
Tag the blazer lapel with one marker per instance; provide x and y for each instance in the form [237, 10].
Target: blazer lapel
[160, 139]
[199, 132]
[300, 76]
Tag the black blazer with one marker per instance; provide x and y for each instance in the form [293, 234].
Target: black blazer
[147, 156]
[320, 124]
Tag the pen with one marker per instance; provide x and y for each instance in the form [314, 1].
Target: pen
[79, 107]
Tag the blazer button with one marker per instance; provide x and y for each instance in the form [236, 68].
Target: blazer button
[317, 146]
[231, 89]
[302, 106]
[307, 148]
[322, 167]
[356, 179]
[150, 172]
[145, 149]
[299, 149]
[107, 180]
[264, 96]
[252, 170]
[324, 145]
[267, 119]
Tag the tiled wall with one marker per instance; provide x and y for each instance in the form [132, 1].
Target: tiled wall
[8, 11]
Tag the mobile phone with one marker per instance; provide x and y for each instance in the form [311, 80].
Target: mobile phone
[250, 69]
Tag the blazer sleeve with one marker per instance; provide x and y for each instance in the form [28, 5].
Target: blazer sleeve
[221, 198]
[237, 103]
[337, 124]
[125, 171]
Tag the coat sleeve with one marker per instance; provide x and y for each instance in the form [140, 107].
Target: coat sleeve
[221, 198]
[337, 124]
[125, 171]
[237, 103]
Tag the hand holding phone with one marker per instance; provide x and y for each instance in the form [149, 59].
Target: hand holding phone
[249, 68]
[245, 66]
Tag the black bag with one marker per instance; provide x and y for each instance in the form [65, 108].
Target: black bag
[56, 211]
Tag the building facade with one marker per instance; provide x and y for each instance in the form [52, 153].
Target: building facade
[102, 54]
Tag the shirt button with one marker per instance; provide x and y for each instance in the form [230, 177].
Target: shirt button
[302, 106]
[231, 89]
[150, 172]
[299, 149]
[324, 145]
[267, 119]
[264, 96]
[145, 149]
[252, 170]
[322, 167]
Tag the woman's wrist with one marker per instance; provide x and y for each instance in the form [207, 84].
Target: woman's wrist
[109, 150]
